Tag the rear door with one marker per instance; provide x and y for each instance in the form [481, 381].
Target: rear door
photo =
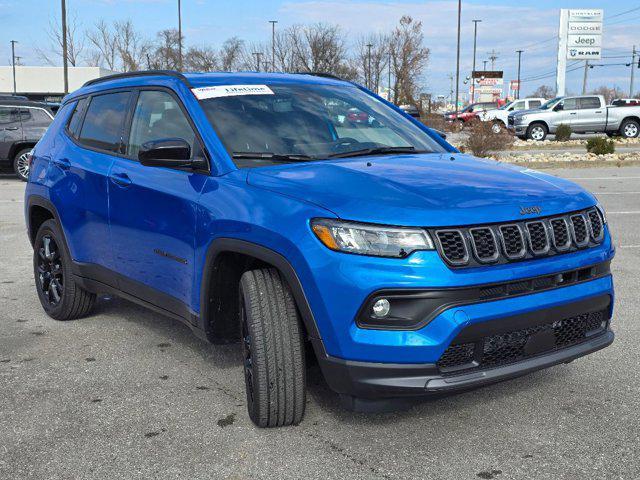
[591, 115]
[153, 210]
[79, 173]
[10, 130]
[35, 123]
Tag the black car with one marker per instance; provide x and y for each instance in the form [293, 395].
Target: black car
[22, 123]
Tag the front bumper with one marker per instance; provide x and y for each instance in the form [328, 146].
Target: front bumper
[367, 380]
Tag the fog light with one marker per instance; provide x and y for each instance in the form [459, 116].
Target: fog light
[381, 308]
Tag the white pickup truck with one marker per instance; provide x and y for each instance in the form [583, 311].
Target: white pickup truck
[499, 116]
[584, 114]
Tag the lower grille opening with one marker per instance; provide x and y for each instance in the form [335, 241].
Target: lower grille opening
[516, 345]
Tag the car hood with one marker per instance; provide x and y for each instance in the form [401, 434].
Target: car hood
[423, 189]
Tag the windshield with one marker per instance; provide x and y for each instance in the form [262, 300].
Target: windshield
[505, 106]
[294, 123]
[550, 103]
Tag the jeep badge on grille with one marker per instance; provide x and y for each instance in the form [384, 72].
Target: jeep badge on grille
[530, 210]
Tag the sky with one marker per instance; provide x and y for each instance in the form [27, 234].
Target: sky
[506, 26]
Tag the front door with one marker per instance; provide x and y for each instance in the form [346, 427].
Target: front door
[153, 210]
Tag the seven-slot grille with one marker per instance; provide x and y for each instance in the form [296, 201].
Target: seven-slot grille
[503, 243]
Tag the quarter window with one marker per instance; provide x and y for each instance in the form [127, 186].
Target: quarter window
[158, 116]
[76, 118]
[102, 126]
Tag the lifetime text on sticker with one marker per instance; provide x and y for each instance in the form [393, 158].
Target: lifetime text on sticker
[216, 91]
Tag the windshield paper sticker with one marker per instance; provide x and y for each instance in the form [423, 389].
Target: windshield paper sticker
[217, 91]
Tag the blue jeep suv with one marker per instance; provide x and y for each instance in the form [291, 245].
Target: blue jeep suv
[311, 220]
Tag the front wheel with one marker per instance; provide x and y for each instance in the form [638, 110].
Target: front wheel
[497, 127]
[21, 164]
[537, 132]
[273, 350]
[629, 129]
[60, 296]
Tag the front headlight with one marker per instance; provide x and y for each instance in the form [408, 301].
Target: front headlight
[366, 239]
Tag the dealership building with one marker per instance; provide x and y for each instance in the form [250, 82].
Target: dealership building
[46, 83]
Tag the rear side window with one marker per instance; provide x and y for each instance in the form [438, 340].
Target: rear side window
[535, 103]
[39, 117]
[76, 118]
[589, 102]
[102, 126]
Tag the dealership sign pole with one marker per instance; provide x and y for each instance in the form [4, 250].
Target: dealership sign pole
[579, 38]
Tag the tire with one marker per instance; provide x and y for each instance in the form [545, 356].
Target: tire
[273, 350]
[60, 296]
[537, 132]
[20, 164]
[497, 127]
[629, 129]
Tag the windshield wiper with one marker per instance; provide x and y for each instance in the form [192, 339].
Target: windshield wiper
[276, 157]
[376, 151]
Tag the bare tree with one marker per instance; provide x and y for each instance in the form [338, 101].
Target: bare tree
[104, 40]
[164, 54]
[320, 48]
[201, 59]
[408, 60]
[133, 50]
[609, 93]
[372, 61]
[75, 42]
[231, 54]
[544, 91]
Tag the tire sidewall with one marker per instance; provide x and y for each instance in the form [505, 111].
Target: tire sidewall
[253, 404]
[624, 126]
[537, 125]
[50, 227]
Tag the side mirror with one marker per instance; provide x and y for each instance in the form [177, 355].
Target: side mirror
[166, 152]
[558, 107]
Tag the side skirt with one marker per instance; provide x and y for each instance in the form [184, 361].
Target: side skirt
[99, 279]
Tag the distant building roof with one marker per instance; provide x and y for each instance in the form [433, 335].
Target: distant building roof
[46, 81]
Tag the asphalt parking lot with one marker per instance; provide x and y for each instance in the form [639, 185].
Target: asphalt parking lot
[126, 393]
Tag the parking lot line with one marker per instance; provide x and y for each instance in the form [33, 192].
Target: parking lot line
[631, 212]
[616, 193]
[601, 178]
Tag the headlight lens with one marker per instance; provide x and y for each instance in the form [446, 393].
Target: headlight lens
[366, 239]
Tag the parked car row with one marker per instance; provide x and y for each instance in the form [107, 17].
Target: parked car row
[22, 124]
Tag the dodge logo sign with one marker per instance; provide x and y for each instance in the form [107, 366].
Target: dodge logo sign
[530, 210]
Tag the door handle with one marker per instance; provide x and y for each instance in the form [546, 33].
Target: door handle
[120, 179]
[11, 128]
[62, 163]
[573, 113]
[598, 111]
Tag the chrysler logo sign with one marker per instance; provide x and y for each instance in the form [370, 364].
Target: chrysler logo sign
[530, 210]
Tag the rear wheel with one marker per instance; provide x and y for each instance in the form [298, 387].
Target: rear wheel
[629, 129]
[537, 132]
[273, 350]
[21, 164]
[60, 296]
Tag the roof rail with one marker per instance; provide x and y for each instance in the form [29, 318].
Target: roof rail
[322, 74]
[140, 73]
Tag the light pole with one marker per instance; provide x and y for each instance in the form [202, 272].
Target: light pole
[484, 67]
[369, 82]
[475, 38]
[273, 44]
[458, 56]
[13, 63]
[65, 60]
[633, 67]
[179, 36]
[519, 52]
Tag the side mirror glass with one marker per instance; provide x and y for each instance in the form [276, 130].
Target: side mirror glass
[166, 152]
[558, 107]
[440, 133]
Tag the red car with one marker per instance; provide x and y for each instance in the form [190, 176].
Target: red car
[470, 112]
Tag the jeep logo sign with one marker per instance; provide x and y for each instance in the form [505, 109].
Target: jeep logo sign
[530, 210]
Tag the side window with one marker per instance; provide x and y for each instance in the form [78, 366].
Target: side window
[518, 106]
[570, 103]
[157, 116]
[535, 103]
[102, 126]
[75, 122]
[6, 115]
[589, 103]
[39, 117]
